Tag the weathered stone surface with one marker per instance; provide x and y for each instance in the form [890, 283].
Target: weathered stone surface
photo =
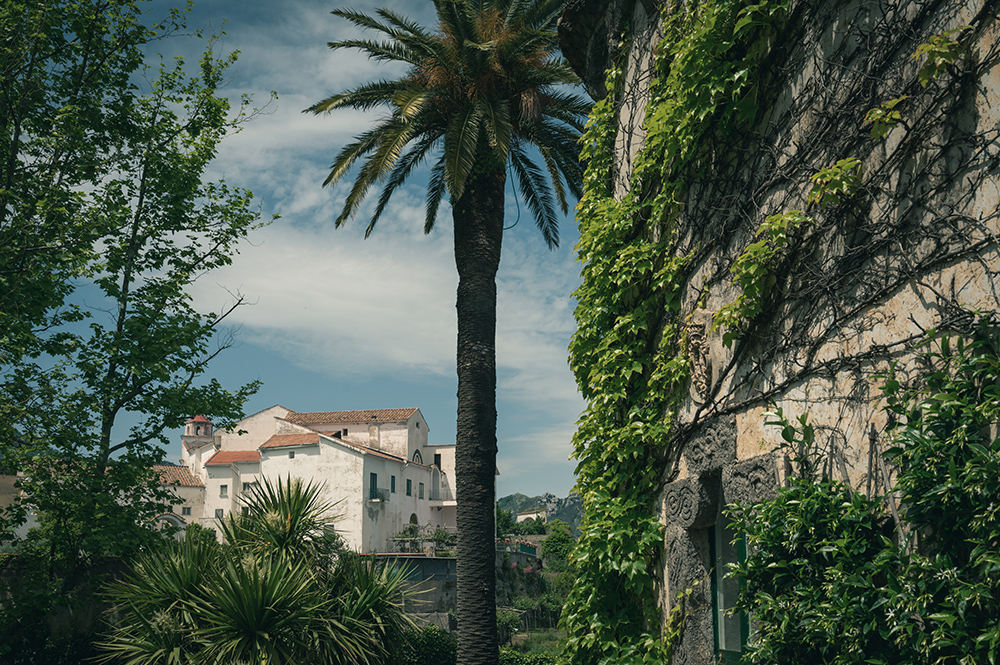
[692, 502]
[688, 567]
[712, 446]
[753, 480]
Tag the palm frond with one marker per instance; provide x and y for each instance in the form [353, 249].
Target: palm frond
[395, 135]
[537, 194]
[499, 131]
[436, 188]
[363, 20]
[457, 20]
[555, 177]
[350, 154]
[562, 145]
[413, 157]
[460, 144]
[541, 15]
[363, 98]
[403, 23]
[515, 12]
[379, 51]
[410, 101]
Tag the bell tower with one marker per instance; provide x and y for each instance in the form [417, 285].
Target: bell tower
[198, 438]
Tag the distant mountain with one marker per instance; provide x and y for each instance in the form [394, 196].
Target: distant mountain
[569, 510]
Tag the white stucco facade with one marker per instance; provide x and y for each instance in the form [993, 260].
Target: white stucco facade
[376, 468]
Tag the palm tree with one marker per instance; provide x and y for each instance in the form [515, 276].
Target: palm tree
[482, 96]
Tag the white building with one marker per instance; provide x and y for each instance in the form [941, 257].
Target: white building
[375, 465]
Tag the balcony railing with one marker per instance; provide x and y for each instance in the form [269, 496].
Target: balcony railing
[443, 494]
[378, 494]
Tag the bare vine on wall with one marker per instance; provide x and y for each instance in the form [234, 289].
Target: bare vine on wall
[907, 132]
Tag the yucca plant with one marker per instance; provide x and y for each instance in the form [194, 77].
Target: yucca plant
[288, 517]
[278, 591]
[485, 92]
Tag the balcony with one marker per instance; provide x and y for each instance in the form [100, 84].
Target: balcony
[378, 494]
[443, 495]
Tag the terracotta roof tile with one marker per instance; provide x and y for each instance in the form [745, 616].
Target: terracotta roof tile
[200, 419]
[365, 416]
[282, 440]
[227, 457]
[177, 475]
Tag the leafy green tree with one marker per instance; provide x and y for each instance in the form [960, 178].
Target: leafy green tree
[281, 590]
[105, 221]
[141, 225]
[64, 102]
[557, 545]
[505, 523]
[482, 94]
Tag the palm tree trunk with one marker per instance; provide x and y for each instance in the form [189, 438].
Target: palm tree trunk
[478, 217]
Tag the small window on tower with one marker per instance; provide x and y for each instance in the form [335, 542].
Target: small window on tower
[291, 454]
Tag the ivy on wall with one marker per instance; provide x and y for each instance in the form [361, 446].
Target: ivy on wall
[629, 352]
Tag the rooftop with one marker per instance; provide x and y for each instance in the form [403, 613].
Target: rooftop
[283, 440]
[227, 457]
[363, 416]
[177, 475]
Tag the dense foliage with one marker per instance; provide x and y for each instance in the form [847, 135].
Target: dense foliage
[281, 590]
[513, 657]
[629, 351]
[430, 646]
[106, 219]
[827, 583]
[557, 546]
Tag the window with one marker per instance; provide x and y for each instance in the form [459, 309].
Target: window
[219, 513]
[392, 484]
[437, 460]
[731, 627]
[223, 490]
[421, 491]
[409, 487]
[186, 510]
[291, 454]
[373, 486]
[417, 457]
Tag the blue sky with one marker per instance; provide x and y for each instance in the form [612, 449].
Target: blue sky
[340, 322]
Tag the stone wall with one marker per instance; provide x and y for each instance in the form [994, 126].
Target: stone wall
[913, 249]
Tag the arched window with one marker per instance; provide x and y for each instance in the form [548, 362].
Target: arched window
[417, 457]
[197, 430]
